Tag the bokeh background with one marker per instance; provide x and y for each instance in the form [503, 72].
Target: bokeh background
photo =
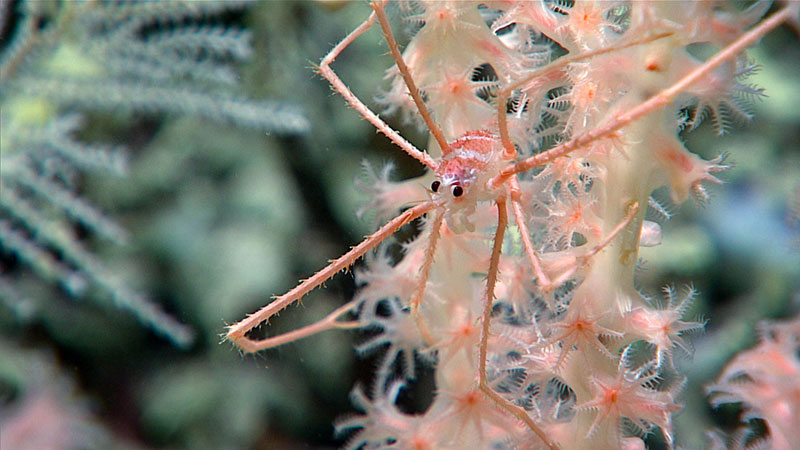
[223, 212]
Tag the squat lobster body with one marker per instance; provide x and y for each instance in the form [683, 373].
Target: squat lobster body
[463, 175]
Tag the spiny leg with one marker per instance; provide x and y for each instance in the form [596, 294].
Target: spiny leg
[424, 273]
[329, 322]
[237, 332]
[406, 74]
[546, 72]
[550, 70]
[491, 281]
[581, 260]
[516, 205]
[339, 86]
[650, 105]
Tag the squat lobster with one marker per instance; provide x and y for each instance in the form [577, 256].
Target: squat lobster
[479, 166]
[475, 167]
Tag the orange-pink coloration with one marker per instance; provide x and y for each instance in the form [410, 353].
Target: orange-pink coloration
[584, 20]
[569, 145]
[663, 328]
[481, 142]
[627, 396]
[678, 158]
[582, 332]
[765, 380]
[475, 413]
[460, 339]
[533, 13]
[490, 47]
[442, 16]
[421, 443]
[468, 156]
[653, 66]
[584, 94]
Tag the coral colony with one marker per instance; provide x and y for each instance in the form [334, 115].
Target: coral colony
[551, 124]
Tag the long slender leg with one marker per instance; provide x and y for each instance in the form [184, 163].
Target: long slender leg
[339, 86]
[516, 205]
[406, 74]
[542, 280]
[546, 72]
[654, 103]
[581, 260]
[491, 281]
[329, 322]
[425, 271]
[236, 333]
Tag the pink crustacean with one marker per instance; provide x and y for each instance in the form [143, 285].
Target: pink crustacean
[463, 175]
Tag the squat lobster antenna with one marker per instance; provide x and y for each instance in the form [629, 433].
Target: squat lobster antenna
[237, 333]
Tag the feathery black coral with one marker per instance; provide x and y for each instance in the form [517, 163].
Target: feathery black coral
[61, 59]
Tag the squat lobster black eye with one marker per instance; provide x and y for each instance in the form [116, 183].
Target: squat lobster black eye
[457, 191]
[435, 185]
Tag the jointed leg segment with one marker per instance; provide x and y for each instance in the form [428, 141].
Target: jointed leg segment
[237, 333]
[573, 263]
[406, 74]
[339, 86]
[516, 205]
[654, 103]
[491, 281]
[546, 73]
[422, 282]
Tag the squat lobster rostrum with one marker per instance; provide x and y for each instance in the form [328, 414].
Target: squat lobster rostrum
[479, 175]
